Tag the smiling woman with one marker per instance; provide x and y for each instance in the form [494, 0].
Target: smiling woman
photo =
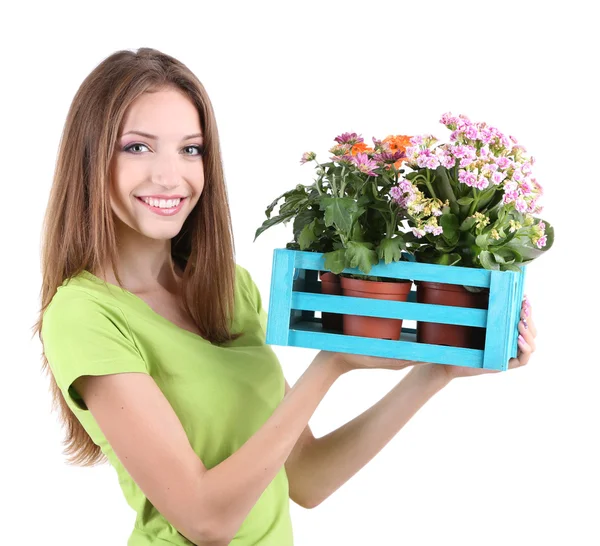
[154, 337]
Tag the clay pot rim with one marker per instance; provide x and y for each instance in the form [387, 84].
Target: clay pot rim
[362, 285]
[446, 287]
[333, 277]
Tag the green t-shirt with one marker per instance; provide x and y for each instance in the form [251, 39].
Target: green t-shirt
[221, 394]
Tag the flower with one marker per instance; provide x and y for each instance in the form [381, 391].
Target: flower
[307, 156]
[364, 164]
[348, 138]
[360, 147]
[486, 179]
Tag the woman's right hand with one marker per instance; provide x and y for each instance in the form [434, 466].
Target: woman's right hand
[345, 362]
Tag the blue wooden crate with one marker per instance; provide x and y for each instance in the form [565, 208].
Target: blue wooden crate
[295, 296]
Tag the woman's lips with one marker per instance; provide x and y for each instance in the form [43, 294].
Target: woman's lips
[163, 211]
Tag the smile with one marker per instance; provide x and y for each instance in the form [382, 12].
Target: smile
[162, 207]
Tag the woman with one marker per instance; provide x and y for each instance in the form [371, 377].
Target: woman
[154, 336]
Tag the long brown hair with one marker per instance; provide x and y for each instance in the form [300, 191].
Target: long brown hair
[79, 232]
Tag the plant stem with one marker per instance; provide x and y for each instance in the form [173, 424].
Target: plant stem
[429, 186]
[474, 204]
[343, 183]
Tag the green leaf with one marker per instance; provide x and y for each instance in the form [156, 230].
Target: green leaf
[390, 250]
[465, 200]
[361, 255]
[468, 223]
[482, 241]
[340, 212]
[274, 204]
[272, 222]
[303, 218]
[445, 188]
[449, 223]
[487, 260]
[308, 236]
[448, 259]
[335, 260]
[508, 255]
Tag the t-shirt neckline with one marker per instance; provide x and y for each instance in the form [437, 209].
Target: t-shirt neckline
[139, 302]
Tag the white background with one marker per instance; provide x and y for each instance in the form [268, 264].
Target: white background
[503, 459]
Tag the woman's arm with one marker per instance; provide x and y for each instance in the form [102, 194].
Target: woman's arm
[318, 467]
[206, 506]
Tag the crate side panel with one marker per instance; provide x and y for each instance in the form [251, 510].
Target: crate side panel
[280, 299]
[499, 320]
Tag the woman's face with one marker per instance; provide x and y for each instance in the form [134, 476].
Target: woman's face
[157, 170]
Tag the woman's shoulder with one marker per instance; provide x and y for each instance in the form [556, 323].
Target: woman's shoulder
[83, 297]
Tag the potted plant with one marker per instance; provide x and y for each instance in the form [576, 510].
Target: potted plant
[469, 202]
[348, 215]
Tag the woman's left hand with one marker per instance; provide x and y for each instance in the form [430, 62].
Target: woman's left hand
[526, 346]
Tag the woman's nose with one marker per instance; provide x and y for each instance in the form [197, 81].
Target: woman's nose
[165, 171]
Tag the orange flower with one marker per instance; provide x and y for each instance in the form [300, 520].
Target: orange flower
[398, 142]
[361, 147]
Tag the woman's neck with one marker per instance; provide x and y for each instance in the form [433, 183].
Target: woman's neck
[143, 264]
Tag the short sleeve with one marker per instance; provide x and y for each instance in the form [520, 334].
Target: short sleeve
[82, 336]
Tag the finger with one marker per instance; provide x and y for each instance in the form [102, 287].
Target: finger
[524, 352]
[527, 335]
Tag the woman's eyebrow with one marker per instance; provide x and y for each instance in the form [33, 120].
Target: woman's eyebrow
[148, 135]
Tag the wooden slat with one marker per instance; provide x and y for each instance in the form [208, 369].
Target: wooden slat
[499, 321]
[280, 299]
[368, 307]
[404, 270]
[390, 349]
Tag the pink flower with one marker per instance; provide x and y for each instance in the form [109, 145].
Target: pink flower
[467, 177]
[348, 138]
[445, 157]
[521, 205]
[503, 162]
[345, 159]
[525, 188]
[482, 183]
[509, 197]
[364, 164]
[471, 132]
[448, 119]
[307, 156]
[541, 242]
[498, 177]
[389, 157]
[418, 232]
[426, 158]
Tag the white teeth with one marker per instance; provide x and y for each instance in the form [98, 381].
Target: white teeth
[161, 203]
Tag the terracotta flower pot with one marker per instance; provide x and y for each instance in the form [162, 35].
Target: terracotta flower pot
[377, 327]
[330, 284]
[448, 334]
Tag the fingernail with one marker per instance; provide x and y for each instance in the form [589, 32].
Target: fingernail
[521, 338]
[525, 323]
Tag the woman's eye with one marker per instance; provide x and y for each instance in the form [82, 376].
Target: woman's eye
[135, 147]
[195, 150]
